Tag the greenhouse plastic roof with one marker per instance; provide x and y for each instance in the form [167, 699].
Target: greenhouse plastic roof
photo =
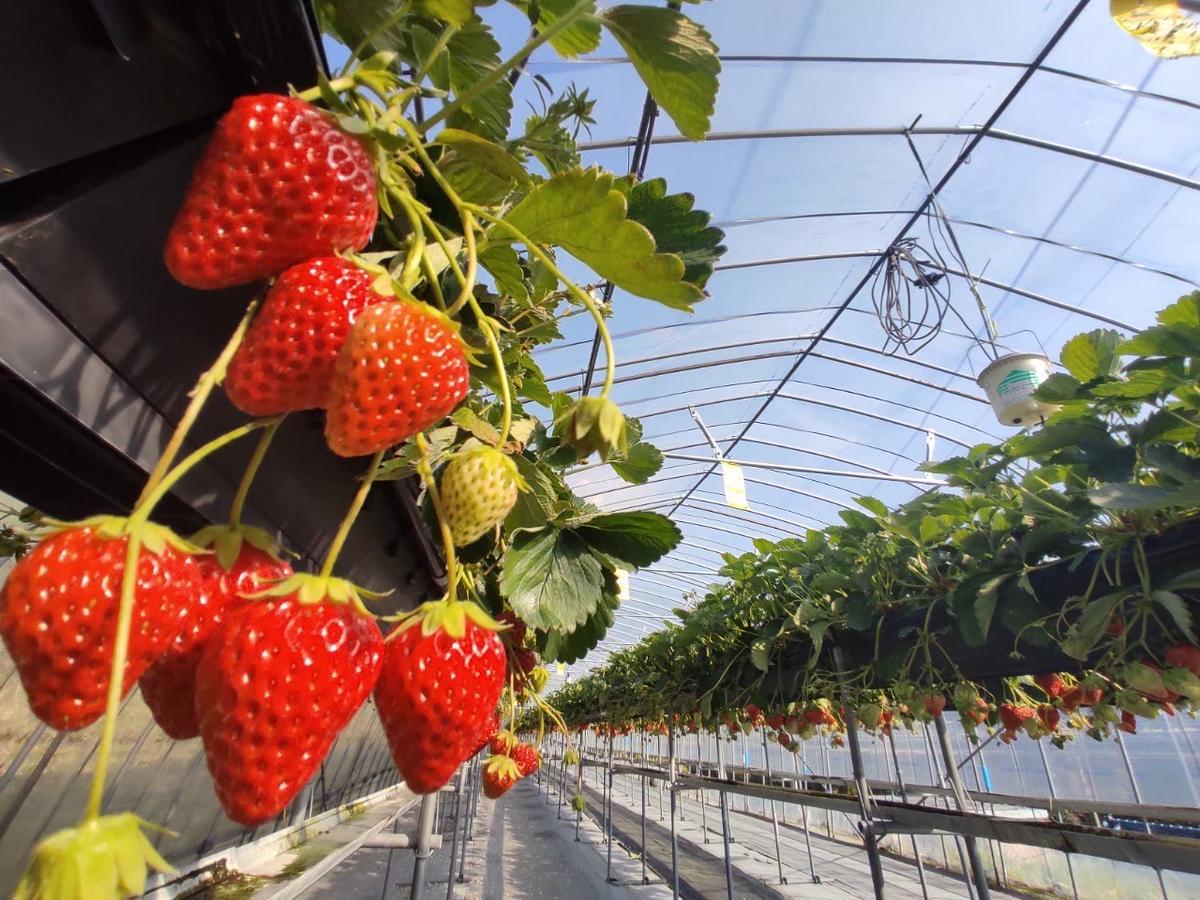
[1076, 205]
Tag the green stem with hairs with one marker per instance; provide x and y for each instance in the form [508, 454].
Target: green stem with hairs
[489, 335]
[467, 292]
[610, 363]
[442, 42]
[116, 676]
[478, 88]
[356, 505]
[200, 394]
[435, 500]
[260, 452]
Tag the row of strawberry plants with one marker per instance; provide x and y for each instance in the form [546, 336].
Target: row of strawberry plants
[1050, 589]
[413, 267]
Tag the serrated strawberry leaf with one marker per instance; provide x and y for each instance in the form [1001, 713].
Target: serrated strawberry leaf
[637, 539]
[479, 170]
[551, 579]
[471, 55]
[677, 228]
[639, 464]
[582, 36]
[675, 57]
[584, 213]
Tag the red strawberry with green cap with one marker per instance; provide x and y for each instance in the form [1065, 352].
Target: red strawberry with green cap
[442, 676]
[285, 363]
[1184, 656]
[1013, 716]
[169, 685]
[489, 729]
[934, 704]
[479, 488]
[502, 742]
[279, 183]
[59, 606]
[402, 369]
[499, 774]
[527, 759]
[277, 681]
[1051, 683]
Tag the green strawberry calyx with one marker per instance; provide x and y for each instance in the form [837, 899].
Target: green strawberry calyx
[226, 542]
[507, 739]
[449, 616]
[102, 859]
[592, 425]
[501, 766]
[309, 590]
[153, 537]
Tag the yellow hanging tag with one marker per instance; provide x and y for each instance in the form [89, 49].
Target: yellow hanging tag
[622, 585]
[735, 485]
[560, 668]
[1168, 28]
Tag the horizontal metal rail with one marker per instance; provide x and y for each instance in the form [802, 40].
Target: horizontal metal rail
[780, 467]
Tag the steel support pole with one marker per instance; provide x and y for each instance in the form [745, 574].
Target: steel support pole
[774, 817]
[424, 833]
[672, 775]
[458, 795]
[703, 803]
[473, 789]
[642, 853]
[904, 797]
[867, 826]
[724, 820]
[1137, 796]
[579, 790]
[1054, 796]
[608, 816]
[797, 761]
[978, 872]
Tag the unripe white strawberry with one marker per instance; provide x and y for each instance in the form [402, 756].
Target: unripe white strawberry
[479, 488]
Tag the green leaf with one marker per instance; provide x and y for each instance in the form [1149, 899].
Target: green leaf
[635, 538]
[1165, 340]
[1140, 384]
[1093, 354]
[1177, 607]
[1148, 497]
[584, 214]
[1184, 311]
[456, 12]
[469, 421]
[985, 603]
[582, 36]
[1087, 630]
[873, 505]
[375, 21]
[760, 654]
[471, 55]
[676, 59]
[556, 646]
[551, 580]
[678, 228]
[639, 464]
[536, 506]
[1059, 388]
[479, 170]
[502, 261]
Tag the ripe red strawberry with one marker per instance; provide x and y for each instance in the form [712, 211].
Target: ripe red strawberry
[1128, 723]
[479, 488]
[1051, 683]
[401, 369]
[1048, 715]
[934, 704]
[1185, 656]
[527, 759]
[776, 721]
[515, 633]
[277, 184]
[501, 743]
[1011, 716]
[754, 714]
[499, 774]
[814, 715]
[277, 681]
[169, 685]
[442, 676]
[285, 363]
[58, 614]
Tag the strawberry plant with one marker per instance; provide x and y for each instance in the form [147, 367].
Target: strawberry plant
[1049, 589]
[415, 264]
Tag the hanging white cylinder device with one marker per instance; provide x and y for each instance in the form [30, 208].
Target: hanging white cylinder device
[1010, 382]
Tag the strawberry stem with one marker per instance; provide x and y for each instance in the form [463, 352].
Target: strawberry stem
[489, 335]
[344, 83]
[200, 393]
[260, 451]
[476, 90]
[116, 676]
[435, 500]
[442, 42]
[610, 362]
[360, 498]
